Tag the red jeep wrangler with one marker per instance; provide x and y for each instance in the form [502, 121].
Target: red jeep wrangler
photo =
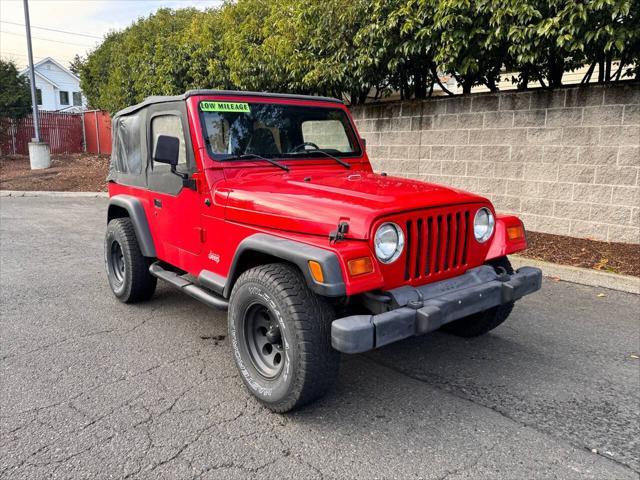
[267, 205]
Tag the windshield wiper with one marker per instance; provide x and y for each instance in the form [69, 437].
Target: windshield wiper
[249, 156]
[341, 162]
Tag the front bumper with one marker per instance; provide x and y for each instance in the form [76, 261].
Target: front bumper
[409, 311]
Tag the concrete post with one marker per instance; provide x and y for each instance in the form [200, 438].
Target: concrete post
[39, 156]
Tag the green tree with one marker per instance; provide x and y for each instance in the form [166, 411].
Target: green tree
[547, 38]
[468, 47]
[75, 65]
[201, 47]
[147, 58]
[249, 31]
[539, 41]
[15, 93]
[611, 32]
[327, 57]
[358, 49]
[396, 48]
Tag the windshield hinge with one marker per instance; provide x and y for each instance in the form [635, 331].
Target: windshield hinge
[339, 233]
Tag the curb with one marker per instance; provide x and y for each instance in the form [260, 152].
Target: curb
[37, 193]
[582, 276]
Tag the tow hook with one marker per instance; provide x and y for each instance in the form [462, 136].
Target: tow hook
[503, 276]
[417, 304]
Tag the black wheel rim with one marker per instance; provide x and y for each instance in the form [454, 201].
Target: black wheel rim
[117, 262]
[264, 341]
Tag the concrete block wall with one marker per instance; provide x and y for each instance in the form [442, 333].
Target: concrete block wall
[566, 161]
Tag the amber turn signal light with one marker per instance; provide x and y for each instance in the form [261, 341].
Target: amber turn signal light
[316, 271]
[360, 266]
[515, 233]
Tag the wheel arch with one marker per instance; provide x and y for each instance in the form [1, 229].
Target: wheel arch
[122, 206]
[260, 249]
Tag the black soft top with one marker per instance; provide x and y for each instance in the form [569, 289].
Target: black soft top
[191, 93]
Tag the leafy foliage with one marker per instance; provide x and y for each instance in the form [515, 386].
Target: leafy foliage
[15, 93]
[360, 49]
[75, 65]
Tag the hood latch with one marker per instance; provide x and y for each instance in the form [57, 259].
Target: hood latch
[339, 233]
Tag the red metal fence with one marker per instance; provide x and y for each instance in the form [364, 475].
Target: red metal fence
[97, 129]
[63, 132]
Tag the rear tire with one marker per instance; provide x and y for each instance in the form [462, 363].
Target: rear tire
[280, 335]
[127, 268]
[483, 322]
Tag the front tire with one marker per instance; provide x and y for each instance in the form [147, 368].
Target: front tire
[483, 322]
[280, 335]
[127, 268]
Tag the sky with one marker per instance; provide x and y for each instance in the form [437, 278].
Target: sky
[90, 18]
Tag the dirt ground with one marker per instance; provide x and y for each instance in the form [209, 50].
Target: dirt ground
[71, 173]
[88, 172]
[623, 258]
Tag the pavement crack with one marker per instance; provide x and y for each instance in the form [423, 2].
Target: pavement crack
[466, 468]
[422, 379]
[55, 344]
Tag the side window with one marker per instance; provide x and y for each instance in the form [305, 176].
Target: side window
[127, 155]
[326, 134]
[168, 125]
[39, 96]
[64, 98]
[77, 99]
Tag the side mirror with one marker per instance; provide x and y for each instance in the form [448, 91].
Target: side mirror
[364, 142]
[167, 150]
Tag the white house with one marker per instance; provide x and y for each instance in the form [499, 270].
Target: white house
[57, 88]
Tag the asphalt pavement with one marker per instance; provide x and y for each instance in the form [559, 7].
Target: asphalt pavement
[91, 388]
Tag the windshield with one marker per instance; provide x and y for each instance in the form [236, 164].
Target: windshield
[233, 129]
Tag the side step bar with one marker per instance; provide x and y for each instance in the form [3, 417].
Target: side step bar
[205, 296]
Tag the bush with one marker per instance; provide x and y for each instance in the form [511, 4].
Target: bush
[358, 49]
[15, 92]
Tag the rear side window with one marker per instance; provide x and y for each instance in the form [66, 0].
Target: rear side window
[126, 156]
[169, 125]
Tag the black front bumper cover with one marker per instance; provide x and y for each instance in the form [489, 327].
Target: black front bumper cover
[416, 311]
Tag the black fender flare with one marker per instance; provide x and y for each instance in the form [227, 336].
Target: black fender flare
[138, 217]
[297, 253]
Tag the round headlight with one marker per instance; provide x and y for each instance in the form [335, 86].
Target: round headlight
[389, 242]
[483, 224]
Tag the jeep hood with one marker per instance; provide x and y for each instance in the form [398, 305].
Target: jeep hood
[315, 202]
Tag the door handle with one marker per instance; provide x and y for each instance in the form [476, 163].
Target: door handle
[157, 203]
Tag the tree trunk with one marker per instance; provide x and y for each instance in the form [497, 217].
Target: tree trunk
[491, 84]
[421, 84]
[587, 76]
[601, 70]
[607, 76]
[467, 83]
[556, 70]
[364, 93]
[616, 77]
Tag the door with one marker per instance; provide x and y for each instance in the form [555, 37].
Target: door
[176, 208]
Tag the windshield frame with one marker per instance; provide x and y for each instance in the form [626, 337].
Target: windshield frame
[315, 155]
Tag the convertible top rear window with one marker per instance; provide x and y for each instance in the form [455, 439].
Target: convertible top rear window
[126, 156]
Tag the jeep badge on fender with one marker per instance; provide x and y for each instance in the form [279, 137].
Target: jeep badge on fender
[266, 205]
